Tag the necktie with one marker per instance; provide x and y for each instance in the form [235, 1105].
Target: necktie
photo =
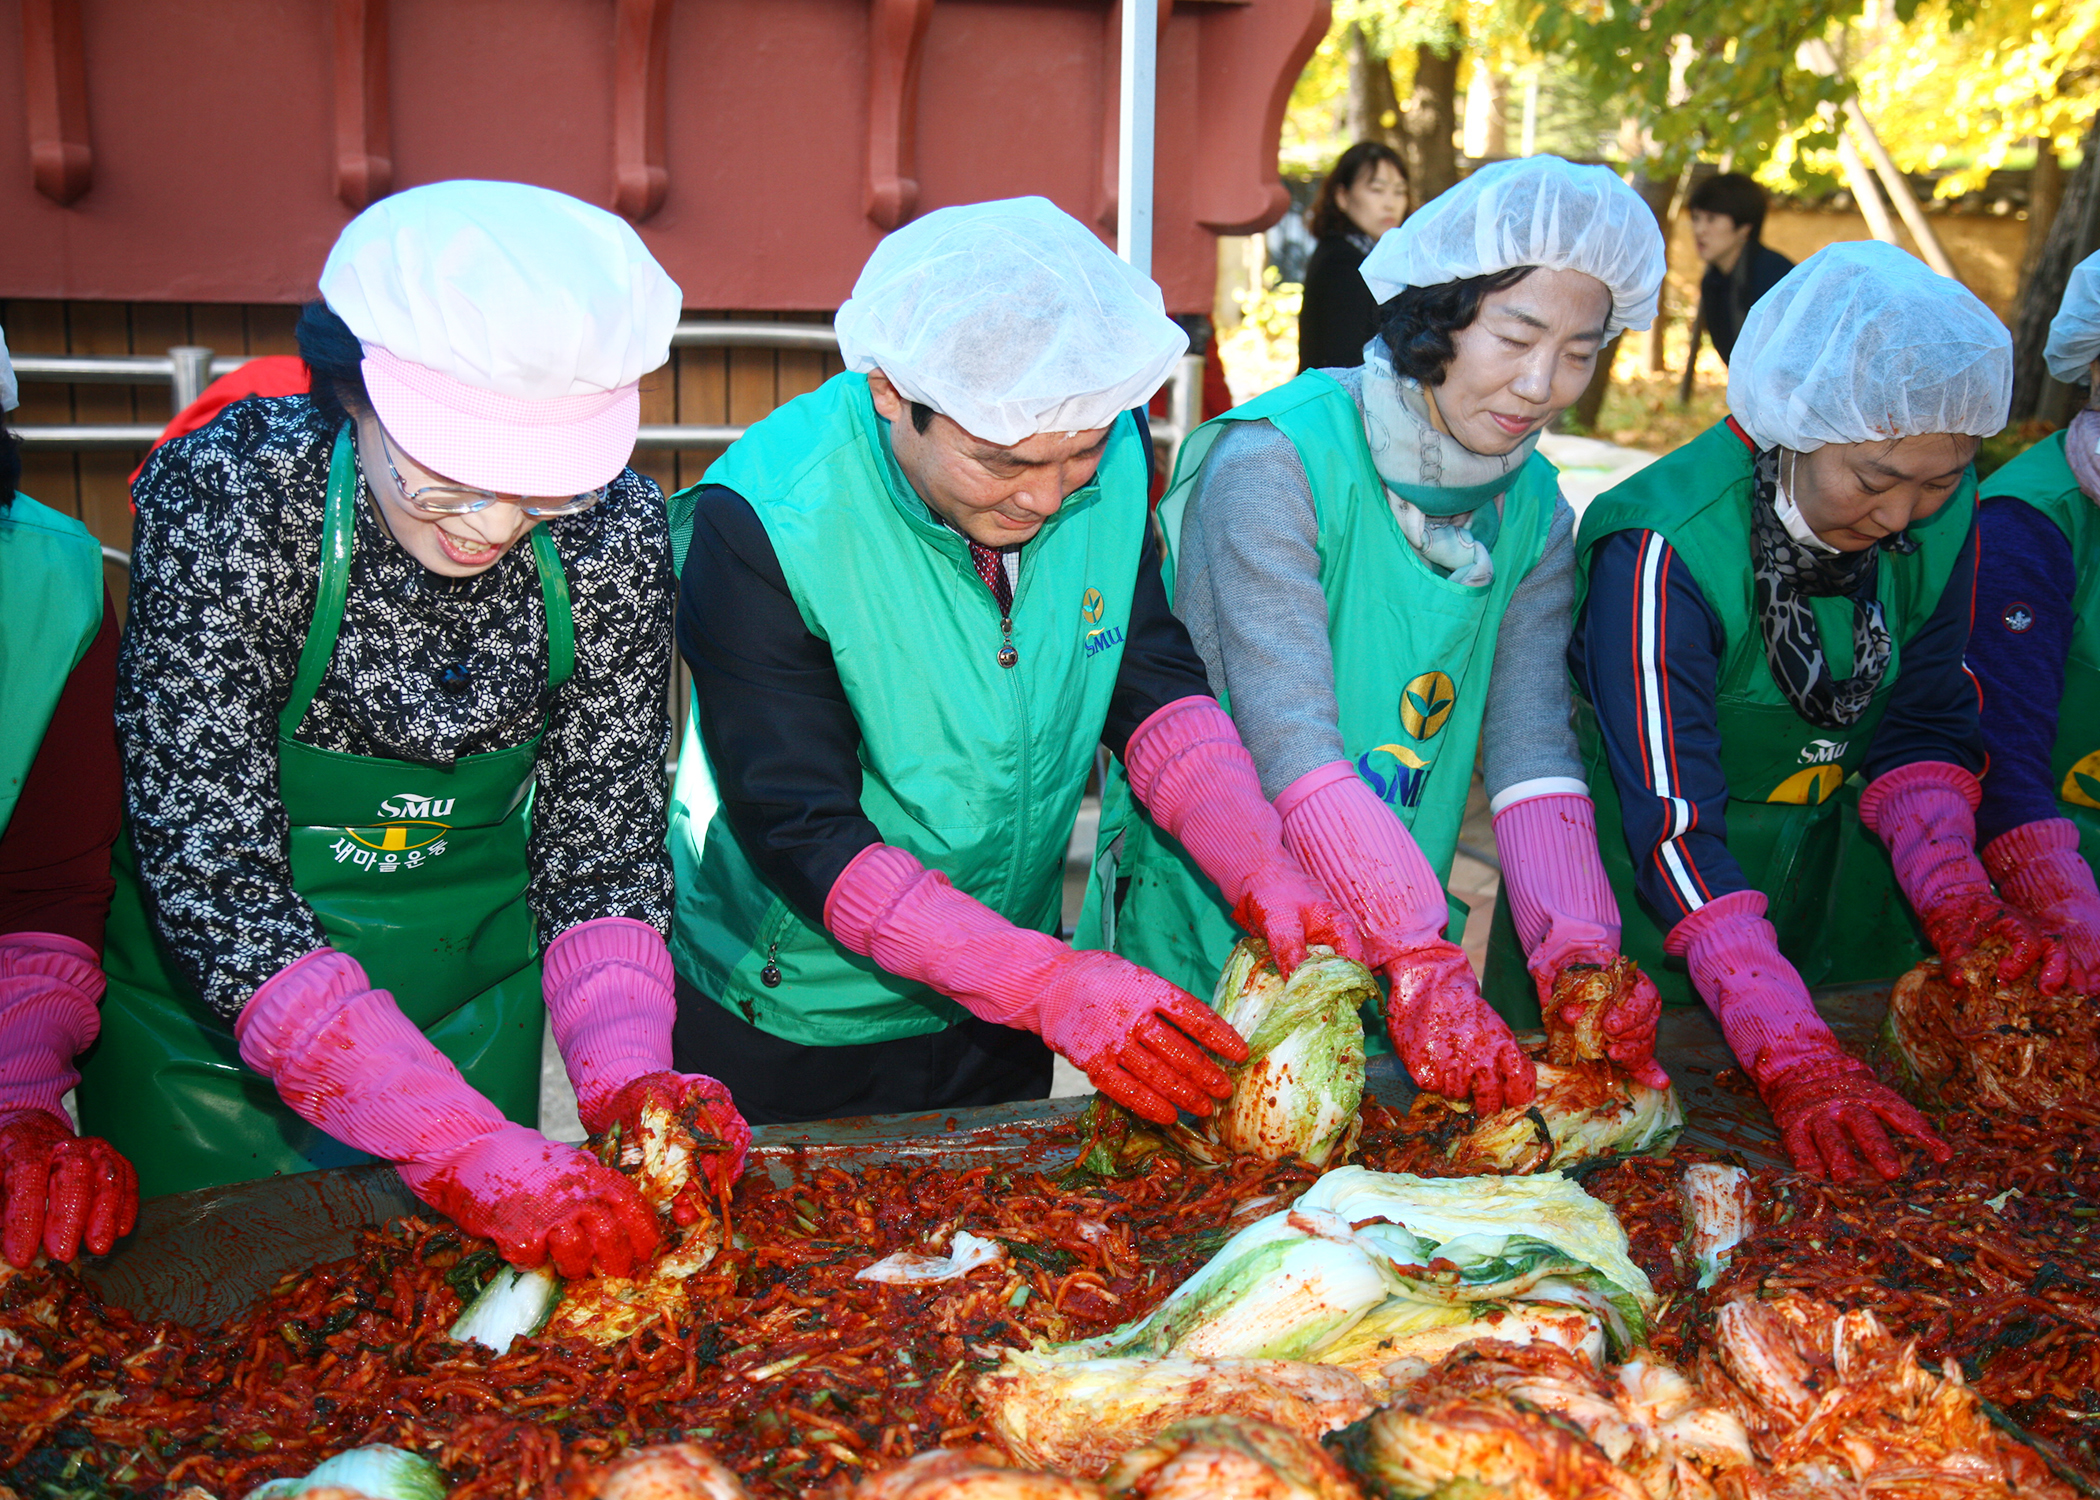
[991, 567]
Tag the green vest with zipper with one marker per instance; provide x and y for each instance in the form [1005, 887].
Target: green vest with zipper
[419, 874]
[974, 768]
[1793, 788]
[51, 582]
[1413, 652]
[2042, 478]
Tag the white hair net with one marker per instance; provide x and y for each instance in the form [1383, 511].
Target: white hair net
[1861, 342]
[10, 393]
[2074, 334]
[1012, 319]
[1532, 211]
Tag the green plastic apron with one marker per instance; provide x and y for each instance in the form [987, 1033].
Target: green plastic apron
[418, 874]
[2042, 478]
[1413, 651]
[50, 611]
[1793, 806]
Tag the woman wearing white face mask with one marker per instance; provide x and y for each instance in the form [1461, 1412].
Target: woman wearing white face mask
[1776, 606]
[391, 705]
[1376, 565]
[2035, 650]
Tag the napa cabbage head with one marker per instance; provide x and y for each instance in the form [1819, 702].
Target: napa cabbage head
[1298, 1092]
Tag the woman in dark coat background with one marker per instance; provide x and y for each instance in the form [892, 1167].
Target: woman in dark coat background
[1364, 196]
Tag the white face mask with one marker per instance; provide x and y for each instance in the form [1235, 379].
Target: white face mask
[1790, 515]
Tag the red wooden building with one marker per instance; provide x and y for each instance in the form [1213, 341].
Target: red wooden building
[175, 172]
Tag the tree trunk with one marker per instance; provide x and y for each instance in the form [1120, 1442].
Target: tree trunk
[2045, 190]
[1430, 122]
[1590, 404]
[1371, 101]
[2073, 236]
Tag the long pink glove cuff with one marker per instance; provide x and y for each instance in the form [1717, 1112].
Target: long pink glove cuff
[610, 1000]
[1187, 766]
[1365, 857]
[2040, 870]
[344, 1058]
[49, 984]
[1558, 894]
[1761, 1003]
[887, 906]
[1926, 813]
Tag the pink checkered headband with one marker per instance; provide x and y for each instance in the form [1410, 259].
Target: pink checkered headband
[545, 449]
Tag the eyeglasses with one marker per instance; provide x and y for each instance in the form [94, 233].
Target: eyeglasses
[461, 500]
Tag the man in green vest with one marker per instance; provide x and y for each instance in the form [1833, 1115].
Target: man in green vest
[915, 602]
[1776, 606]
[2035, 650]
[61, 799]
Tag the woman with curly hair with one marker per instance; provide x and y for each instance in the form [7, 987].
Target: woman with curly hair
[1376, 567]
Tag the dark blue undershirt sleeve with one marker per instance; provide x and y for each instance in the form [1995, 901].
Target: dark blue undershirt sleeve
[2025, 585]
[780, 735]
[1932, 708]
[1646, 654]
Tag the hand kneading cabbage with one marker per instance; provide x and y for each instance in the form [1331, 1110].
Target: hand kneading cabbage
[1080, 1415]
[1415, 1258]
[1229, 1458]
[1586, 1106]
[1969, 1038]
[1298, 1092]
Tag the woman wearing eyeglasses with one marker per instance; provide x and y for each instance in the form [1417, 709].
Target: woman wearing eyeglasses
[391, 708]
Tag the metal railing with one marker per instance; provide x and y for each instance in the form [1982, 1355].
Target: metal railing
[188, 368]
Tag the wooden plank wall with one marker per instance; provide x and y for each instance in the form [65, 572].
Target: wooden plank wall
[699, 386]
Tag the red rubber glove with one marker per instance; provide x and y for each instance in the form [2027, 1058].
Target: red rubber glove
[1139, 1038]
[345, 1059]
[2040, 870]
[1830, 1109]
[610, 1003]
[1926, 813]
[1189, 769]
[1565, 913]
[57, 1190]
[1451, 1040]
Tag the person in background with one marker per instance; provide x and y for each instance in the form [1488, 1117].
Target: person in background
[1771, 617]
[1728, 220]
[1363, 197]
[61, 801]
[391, 708]
[2035, 650]
[1376, 566]
[916, 602]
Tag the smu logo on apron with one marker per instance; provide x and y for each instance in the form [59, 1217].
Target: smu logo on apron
[414, 836]
[1396, 773]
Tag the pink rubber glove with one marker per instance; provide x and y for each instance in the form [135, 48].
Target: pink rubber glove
[1189, 769]
[1566, 914]
[2039, 869]
[57, 1190]
[1127, 1028]
[345, 1059]
[611, 1004]
[1829, 1107]
[1926, 813]
[1450, 1039]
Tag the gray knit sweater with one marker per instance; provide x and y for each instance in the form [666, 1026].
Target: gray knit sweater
[1248, 588]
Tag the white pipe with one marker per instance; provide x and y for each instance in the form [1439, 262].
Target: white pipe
[1899, 190]
[1135, 114]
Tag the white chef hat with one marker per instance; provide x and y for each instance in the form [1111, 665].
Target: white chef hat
[2074, 334]
[505, 328]
[10, 392]
[1862, 342]
[1011, 318]
[1530, 211]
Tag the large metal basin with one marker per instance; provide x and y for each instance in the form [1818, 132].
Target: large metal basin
[199, 1257]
